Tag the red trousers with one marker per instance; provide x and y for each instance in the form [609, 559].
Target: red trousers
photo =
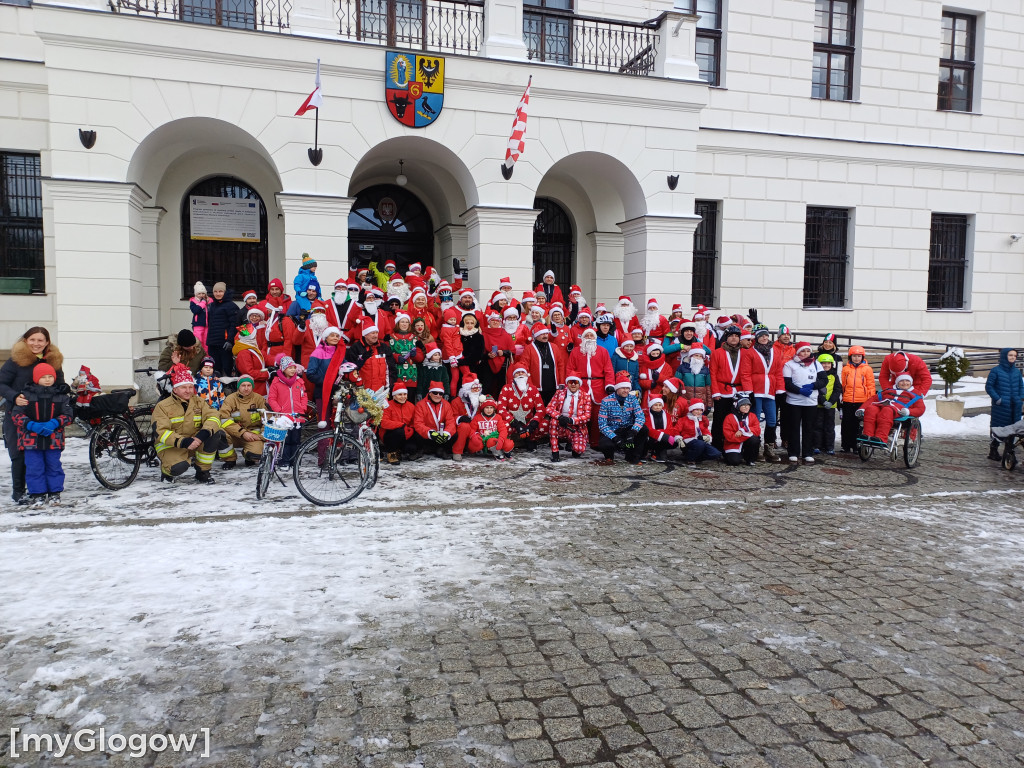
[576, 435]
[476, 443]
[878, 419]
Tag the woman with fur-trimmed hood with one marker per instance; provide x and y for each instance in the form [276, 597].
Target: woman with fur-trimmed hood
[182, 347]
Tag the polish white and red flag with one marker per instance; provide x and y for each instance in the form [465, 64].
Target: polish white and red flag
[517, 141]
[315, 99]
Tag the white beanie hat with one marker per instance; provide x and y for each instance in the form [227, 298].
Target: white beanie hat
[199, 288]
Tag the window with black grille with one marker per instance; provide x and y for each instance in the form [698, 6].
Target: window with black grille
[947, 261]
[21, 224]
[705, 253]
[832, 76]
[826, 257]
[709, 37]
[553, 246]
[547, 30]
[956, 66]
[242, 265]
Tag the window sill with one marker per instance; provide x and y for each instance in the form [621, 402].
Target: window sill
[959, 112]
[954, 311]
[829, 309]
[837, 101]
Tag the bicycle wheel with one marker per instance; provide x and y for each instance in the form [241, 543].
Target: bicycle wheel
[142, 416]
[371, 448]
[330, 469]
[265, 471]
[114, 453]
[911, 443]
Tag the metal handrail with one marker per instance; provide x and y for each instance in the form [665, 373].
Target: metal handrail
[589, 42]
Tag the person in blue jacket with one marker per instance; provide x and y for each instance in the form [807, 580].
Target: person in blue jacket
[1005, 385]
[605, 327]
[622, 424]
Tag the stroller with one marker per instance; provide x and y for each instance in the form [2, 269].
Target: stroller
[1011, 437]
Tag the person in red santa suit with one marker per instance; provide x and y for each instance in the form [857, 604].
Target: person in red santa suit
[397, 425]
[499, 352]
[487, 432]
[505, 288]
[551, 292]
[576, 304]
[661, 429]
[522, 408]
[653, 322]
[905, 362]
[726, 367]
[526, 304]
[584, 320]
[654, 371]
[369, 356]
[696, 435]
[530, 317]
[467, 304]
[434, 422]
[625, 318]
[420, 306]
[545, 361]
[702, 328]
[742, 430]
[591, 362]
[569, 414]
[898, 400]
[250, 360]
[276, 302]
[465, 407]
[560, 335]
[255, 317]
[312, 335]
[414, 276]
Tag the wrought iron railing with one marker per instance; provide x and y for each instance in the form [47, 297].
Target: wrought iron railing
[263, 15]
[439, 26]
[588, 43]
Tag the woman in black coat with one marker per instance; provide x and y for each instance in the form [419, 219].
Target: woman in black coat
[32, 348]
[222, 318]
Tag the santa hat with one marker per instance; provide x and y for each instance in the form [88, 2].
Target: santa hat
[398, 316]
[575, 291]
[556, 307]
[724, 321]
[573, 377]
[368, 329]
[352, 286]
[539, 329]
[469, 381]
[444, 285]
[180, 374]
[529, 296]
[654, 401]
[677, 308]
[894, 362]
[377, 292]
[436, 386]
[395, 278]
[511, 312]
[495, 296]
[627, 343]
[784, 330]
[697, 349]
[416, 267]
[255, 311]
[399, 387]
[519, 367]
[654, 345]
[637, 330]
[625, 300]
[504, 282]
[492, 315]
[702, 312]
[652, 302]
[902, 377]
[584, 313]
[320, 309]
[692, 325]
[329, 330]
[431, 349]
[673, 384]
[45, 369]
[695, 404]
[746, 336]
[341, 284]
[622, 379]
[452, 313]
[549, 273]
[801, 345]
[390, 263]
[247, 294]
[600, 307]
[465, 291]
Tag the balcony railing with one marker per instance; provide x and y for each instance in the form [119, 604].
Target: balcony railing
[264, 15]
[439, 26]
[606, 45]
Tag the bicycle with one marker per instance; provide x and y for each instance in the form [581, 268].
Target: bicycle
[273, 444]
[332, 466]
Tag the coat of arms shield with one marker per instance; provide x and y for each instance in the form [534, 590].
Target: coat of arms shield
[414, 87]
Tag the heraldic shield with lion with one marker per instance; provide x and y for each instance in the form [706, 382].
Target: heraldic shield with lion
[414, 87]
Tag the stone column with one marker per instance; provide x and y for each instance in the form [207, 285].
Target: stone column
[453, 243]
[97, 233]
[607, 267]
[658, 259]
[151, 279]
[317, 225]
[677, 47]
[503, 30]
[500, 244]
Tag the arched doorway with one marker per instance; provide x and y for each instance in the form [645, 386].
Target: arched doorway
[241, 262]
[389, 222]
[553, 244]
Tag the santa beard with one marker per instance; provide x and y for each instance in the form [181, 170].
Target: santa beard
[471, 399]
[650, 321]
[696, 365]
[400, 290]
[701, 329]
[521, 383]
[511, 326]
[624, 313]
[370, 307]
[588, 347]
[506, 295]
[318, 324]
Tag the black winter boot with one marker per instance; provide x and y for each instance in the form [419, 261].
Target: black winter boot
[993, 451]
[555, 457]
[203, 477]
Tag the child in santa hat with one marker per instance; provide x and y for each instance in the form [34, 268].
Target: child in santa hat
[899, 400]
[661, 430]
[695, 433]
[433, 371]
[693, 371]
[397, 425]
[450, 339]
[742, 432]
[488, 431]
[569, 415]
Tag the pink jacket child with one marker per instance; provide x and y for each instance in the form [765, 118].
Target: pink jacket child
[198, 304]
[288, 395]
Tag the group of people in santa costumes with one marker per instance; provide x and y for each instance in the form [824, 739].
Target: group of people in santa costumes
[463, 376]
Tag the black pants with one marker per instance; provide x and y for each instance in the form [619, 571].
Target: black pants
[748, 452]
[17, 457]
[851, 425]
[826, 431]
[802, 421]
[633, 454]
[780, 415]
[723, 407]
[395, 441]
[223, 360]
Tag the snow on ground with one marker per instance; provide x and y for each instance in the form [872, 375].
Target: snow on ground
[970, 426]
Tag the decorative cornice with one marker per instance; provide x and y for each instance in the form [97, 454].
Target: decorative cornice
[291, 202]
[95, 190]
[498, 215]
[684, 224]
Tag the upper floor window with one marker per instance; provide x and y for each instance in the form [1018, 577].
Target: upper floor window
[709, 37]
[547, 30]
[956, 67]
[833, 49]
[21, 224]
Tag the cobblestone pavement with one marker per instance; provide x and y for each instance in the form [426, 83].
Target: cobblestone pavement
[840, 615]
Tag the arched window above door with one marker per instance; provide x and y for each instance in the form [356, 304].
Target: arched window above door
[389, 222]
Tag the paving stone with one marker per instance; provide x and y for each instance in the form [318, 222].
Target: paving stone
[523, 729]
[602, 717]
[760, 730]
[579, 751]
[531, 750]
[591, 695]
[563, 728]
[695, 715]
[619, 736]
[559, 708]
[949, 730]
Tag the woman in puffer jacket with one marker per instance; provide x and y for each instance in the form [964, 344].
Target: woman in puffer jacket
[1005, 385]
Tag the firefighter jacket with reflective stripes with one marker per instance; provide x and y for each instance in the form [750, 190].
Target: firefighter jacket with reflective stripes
[178, 421]
[242, 414]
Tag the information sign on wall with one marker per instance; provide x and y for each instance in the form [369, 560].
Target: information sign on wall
[224, 218]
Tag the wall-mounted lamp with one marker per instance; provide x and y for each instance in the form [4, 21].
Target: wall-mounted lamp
[673, 181]
[401, 179]
[88, 138]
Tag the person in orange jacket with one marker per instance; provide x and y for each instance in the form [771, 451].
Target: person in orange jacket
[397, 432]
[858, 381]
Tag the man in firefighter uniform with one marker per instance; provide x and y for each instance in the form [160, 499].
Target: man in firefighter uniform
[187, 429]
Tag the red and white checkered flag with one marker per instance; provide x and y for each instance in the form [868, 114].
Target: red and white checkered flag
[517, 141]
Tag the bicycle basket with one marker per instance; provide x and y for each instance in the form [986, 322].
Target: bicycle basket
[274, 434]
[111, 404]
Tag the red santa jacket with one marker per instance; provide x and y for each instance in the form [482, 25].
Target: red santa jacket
[690, 429]
[903, 362]
[250, 362]
[461, 408]
[561, 337]
[653, 373]
[531, 359]
[762, 378]
[726, 376]
[580, 413]
[399, 416]
[624, 332]
[556, 295]
[660, 426]
[433, 418]
[487, 425]
[530, 402]
[450, 342]
[898, 399]
[430, 314]
[738, 429]
[656, 330]
[595, 370]
[371, 364]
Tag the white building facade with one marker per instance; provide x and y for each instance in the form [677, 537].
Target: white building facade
[854, 166]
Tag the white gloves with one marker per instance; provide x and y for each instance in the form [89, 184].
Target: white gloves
[706, 438]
